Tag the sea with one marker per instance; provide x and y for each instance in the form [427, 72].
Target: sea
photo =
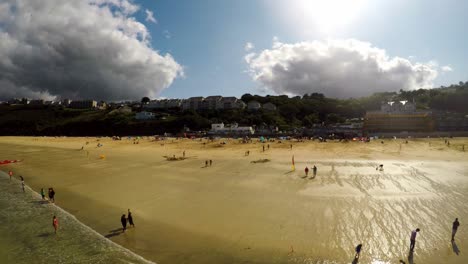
[27, 234]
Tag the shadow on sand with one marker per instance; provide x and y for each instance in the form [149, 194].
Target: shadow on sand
[410, 258]
[114, 233]
[44, 235]
[355, 261]
[455, 248]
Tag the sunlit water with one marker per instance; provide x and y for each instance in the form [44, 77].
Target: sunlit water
[27, 235]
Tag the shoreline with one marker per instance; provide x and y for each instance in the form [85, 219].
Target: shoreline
[75, 221]
[190, 212]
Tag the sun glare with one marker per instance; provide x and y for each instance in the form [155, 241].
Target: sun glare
[326, 15]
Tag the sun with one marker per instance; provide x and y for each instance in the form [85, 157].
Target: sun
[325, 16]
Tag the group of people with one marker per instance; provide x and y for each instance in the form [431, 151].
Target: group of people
[208, 163]
[314, 171]
[414, 233]
[124, 220]
[268, 147]
[51, 194]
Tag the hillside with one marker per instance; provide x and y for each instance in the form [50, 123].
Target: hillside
[292, 112]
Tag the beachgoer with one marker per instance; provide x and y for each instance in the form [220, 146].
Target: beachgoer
[55, 223]
[206, 163]
[413, 239]
[263, 148]
[11, 174]
[268, 146]
[290, 146]
[211, 162]
[455, 228]
[130, 218]
[52, 195]
[42, 193]
[358, 251]
[183, 154]
[306, 171]
[314, 169]
[123, 220]
[22, 185]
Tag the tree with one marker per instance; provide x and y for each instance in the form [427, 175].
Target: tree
[145, 100]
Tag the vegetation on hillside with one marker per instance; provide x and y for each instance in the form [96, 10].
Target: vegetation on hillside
[292, 112]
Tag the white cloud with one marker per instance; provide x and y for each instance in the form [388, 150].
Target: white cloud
[79, 49]
[150, 17]
[167, 34]
[336, 68]
[249, 46]
[446, 68]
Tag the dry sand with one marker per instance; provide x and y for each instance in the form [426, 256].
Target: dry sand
[237, 211]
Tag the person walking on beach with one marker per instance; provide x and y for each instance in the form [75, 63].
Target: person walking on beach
[268, 146]
[123, 220]
[263, 148]
[130, 218]
[55, 223]
[314, 169]
[42, 193]
[413, 239]
[211, 162]
[358, 251]
[52, 195]
[306, 171]
[22, 184]
[11, 174]
[183, 154]
[455, 228]
[206, 163]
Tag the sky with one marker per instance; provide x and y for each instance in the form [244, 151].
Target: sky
[124, 49]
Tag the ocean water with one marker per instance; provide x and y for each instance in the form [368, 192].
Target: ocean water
[27, 235]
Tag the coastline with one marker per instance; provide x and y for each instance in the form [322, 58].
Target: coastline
[74, 230]
[186, 213]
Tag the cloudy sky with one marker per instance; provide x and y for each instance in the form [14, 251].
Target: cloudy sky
[124, 49]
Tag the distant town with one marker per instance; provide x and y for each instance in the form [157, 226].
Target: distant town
[392, 117]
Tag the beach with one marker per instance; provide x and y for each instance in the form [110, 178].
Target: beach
[255, 208]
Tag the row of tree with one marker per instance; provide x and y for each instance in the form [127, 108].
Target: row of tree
[292, 112]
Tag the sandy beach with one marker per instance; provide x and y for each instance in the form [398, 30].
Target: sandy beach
[239, 211]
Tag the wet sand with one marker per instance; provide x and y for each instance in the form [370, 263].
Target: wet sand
[237, 211]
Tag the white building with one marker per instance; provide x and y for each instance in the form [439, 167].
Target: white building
[269, 107]
[86, 104]
[230, 102]
[398, 107]
[36, 102]
[254, 105]
[210, 102]
[232, 129]
[193, 103]
[163, 104]
[144, 115]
